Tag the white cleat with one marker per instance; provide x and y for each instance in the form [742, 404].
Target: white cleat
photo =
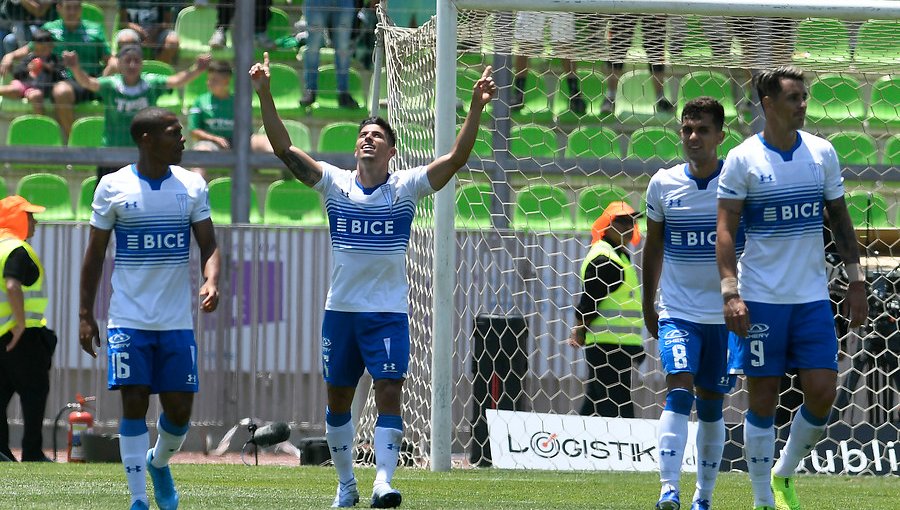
[347, 495]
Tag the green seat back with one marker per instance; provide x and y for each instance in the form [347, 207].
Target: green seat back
[473, 205]
[87, 132]
[876, 44]
[338, 137]
[4, 189]
[593, 142]
[854, 148]
[326, 104]
[83, 209]
[822, 41]
[220, 202]
[299, 133]
[867, 208]
[532, 141]
[884, 105]
[35, 130]
[835, 100]
[91, 12]
[636, 98]
[593, 90]
[707, 83]
[536, 107]
[592, 201]
[483, 147]
[50, 191]
[892, 151]
[654, 143]
[732, 140]
[542, 207]
[194, 26]
[293, 203]
[285, 87]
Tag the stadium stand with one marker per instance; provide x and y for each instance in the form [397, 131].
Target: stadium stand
[636, 99]
[707, 83]
[654, 142]
[85, 198]
[532, 141]
[473, 205]
[867, 208]
[542, 207]
[593, 90]
[535, 107]
[884, 103]
[50, 191]
[593, 142]
[220, 202]
[812, 48]
[592, 201]
[326, 104]
[339, 137]
[35, 130]
[854, 148]
[892, 151]
[834, 100]
[290, 202]
[285, 87]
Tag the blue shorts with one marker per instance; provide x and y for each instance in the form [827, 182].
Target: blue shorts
[353, 341]
[783, 338]
[699, 349]
[166, 361]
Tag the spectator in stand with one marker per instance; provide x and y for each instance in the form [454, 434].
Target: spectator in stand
[225, 13]
[18, 21]
[128, 92]
[621, 31]
[153, 20]
[336, 16]
[211, 117]
[36, 74]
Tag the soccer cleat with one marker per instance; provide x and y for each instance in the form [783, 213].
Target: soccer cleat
[217, 41]
[385, 496]
[139, 505]
[163, 485]
[785, 494]
[347, 495]
[669, 500]
[701, 504]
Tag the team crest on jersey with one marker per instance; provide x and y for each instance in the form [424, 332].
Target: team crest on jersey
[182, 202]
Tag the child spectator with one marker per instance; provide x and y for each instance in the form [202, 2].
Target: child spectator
[36, 74]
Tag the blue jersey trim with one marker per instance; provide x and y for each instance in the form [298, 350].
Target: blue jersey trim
[369, 191]
[155, 184]
[702, 184]
[787, 155]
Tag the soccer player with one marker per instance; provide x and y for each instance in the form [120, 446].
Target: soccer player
[366, 326]
[153, 206]
[776, 296]
[680, 258]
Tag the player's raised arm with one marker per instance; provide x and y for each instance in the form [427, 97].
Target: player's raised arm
[91, 269]
[441, 170]
[301, 164]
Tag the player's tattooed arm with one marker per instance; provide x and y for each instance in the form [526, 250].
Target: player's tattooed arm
[842, 230]
[301, 165]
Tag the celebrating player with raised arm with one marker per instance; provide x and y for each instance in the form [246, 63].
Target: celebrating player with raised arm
[776, 295]
[680, 257]
[370, 212]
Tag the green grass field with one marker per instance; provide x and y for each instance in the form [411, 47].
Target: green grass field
[102, 486]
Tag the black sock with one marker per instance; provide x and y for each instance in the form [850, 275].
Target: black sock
[572, 82]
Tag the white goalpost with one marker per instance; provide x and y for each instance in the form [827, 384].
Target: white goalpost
[494, 258]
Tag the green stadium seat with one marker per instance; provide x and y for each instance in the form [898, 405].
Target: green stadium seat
[86, 198]
[542, 207]
[473, 206]
[867, 209]
[536, 107]
[854, 148]
[299, 133]
[876, 45]
[35, 130]
[821, 41]
[884, 104]
[285, 87]
[326, 105]
[707, 83]
[636, 99]
[86, 132]
[339, 137]
[278, 29]
[483, 147]
[593, 90]
[732, 140]
[91, 12]
[194, 26]
[654, 143]
[4, 189]
[834, 100]
[592, 201]
[50, 191]
[892, 151]
[532, 141]
[220, 202]
[172, 100]
[293, 203]
[596, 142]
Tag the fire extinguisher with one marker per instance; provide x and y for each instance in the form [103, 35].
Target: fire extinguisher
[80, 422]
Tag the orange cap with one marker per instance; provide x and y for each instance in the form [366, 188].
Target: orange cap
[14, 217]
[617, 208]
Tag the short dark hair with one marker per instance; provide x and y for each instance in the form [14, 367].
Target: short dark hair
[42, 36]
[221, 67]
[383, 124]
[695, 108]
[768, 83]
[149, 120]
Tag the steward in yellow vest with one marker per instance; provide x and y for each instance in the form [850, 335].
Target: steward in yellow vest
[26, 345]
[608, 319]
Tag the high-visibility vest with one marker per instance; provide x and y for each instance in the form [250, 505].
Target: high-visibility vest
[620, 320]
[35, 297]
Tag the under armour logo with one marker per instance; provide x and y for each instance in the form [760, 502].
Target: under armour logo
[134, 469]
[129, 205]
[390, 446]
[340, 448]
[663, 453]
[673, 202]
[706, 463]
[766, 178]
[758, 459]
[389, 367]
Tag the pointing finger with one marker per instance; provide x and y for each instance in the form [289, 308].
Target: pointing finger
[487, 72]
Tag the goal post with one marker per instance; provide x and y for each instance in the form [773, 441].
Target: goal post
[507, 236]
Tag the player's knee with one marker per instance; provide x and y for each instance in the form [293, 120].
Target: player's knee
[683, 380]
[63, 93]
[389, 395]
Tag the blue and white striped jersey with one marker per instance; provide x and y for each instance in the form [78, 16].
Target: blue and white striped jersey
[689, 283]
[151, 220]
[369, 236]
[784, 195]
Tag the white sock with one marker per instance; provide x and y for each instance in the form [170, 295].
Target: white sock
[340, 442]
[387, 453]
[710, 443]
[803, 437]
[759, 444]
[673, 430]
[169, 441]
[133, 450]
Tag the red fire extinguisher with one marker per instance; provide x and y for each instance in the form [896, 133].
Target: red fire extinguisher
[80, 422]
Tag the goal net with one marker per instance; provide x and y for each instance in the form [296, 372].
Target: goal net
[555, 147]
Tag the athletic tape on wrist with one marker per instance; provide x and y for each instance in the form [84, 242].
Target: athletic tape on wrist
[853, 273]
[729, 286]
